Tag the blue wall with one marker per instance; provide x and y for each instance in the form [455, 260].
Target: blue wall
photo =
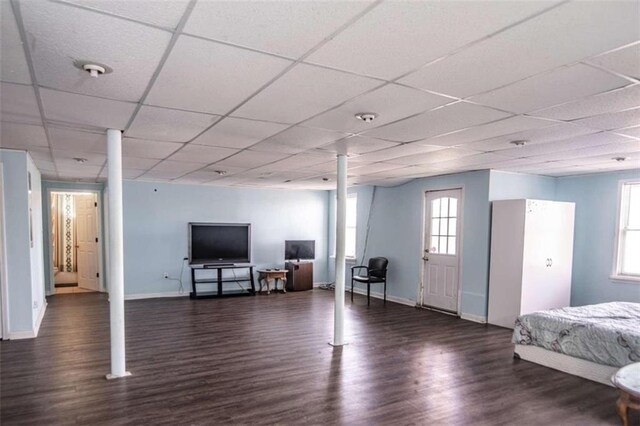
[511, 186]
[596, 198]
[155, 227]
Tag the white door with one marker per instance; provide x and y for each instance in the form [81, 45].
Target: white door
[87, 234]
[442, 249]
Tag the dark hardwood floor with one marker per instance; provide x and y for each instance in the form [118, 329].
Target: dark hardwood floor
[265, 360]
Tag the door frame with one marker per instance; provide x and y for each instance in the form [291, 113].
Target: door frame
[99, 218]
[4, 290]
[420, 299]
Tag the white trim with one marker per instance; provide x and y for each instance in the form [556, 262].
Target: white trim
[50, 287]
[475, 318]
[43, 309]
[615, 270]
[140, 296]
[4, 279]
[420, 300]
[377, 295]
[567, 364]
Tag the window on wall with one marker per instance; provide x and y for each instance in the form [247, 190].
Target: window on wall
[627, 261]
[352, 215]
[444, 218]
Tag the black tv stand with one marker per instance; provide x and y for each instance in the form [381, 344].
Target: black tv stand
[219, 292]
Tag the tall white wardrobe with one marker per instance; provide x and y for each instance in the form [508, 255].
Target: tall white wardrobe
[531, 258]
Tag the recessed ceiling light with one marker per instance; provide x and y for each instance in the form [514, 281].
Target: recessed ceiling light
[367, 117]
[94, 69]
[519, 142]
[80, 160]
[619, 159]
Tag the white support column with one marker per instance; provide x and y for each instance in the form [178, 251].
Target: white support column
[341, 228]
[116, 254]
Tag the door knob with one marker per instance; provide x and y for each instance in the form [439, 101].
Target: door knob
[426, 259]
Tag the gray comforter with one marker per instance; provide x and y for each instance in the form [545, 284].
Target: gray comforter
[607, 333]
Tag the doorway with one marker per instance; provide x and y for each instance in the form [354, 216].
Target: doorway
[442, 249]
[75, 249]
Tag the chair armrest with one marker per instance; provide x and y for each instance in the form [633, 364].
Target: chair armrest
[359, 267]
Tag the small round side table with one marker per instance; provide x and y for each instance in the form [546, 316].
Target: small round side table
[627, 380]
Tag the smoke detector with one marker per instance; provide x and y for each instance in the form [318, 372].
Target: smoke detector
[93, 68]
[367, 117]
[519, 143]
[619, 159]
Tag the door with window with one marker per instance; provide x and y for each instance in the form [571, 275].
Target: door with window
[441, 256]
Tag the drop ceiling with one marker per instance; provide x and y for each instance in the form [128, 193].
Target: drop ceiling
[265, 93]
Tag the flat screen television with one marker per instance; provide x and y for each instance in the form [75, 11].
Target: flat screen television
[299, 249]
[219, 243]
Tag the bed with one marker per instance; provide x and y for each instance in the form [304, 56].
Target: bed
[591, 341]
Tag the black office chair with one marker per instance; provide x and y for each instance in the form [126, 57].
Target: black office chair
[376, 273]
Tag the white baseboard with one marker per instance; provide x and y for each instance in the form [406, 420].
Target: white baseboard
[155, 295]
[475, 318]
[390, 298]
[29, 334]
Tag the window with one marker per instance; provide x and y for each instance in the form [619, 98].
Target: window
[627, 263]
[444, 212]
[350, 236]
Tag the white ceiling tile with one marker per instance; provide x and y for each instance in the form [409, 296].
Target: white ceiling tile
[297, 139]
[66, 159]
[578, 142]
[126, 173]
[202, 153]
[90, 111]
[630, 131]
[616, 100]
[302, 92]
[552, 88]
[13, 67]
[22, 136]
[134, 163]
[397, 37]
[485, 131]
[18, 103]
[77, 141]
[591, 151]
[238, 133]
[471, 160]
[301, 161]
[391, 102]
[435, 157]
[558, 37]
[546, 134]
[249, 159]
[201, 75]
[228, 170]
[404, 171]
[439, 121]
[172, 169]
[165, 15]
[624, 61]
[148, 149]
[358, 145]
[368, 169]
[198, 177]
[169, 124]
[614, 120]
[40, 154]
[75, 171]
[60, 34]
[286, 28]
[398, 151]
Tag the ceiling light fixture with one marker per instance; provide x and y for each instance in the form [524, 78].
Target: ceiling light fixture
[619, 159]
[93, 68]
[80, 160]
[367, 117]
[519, 143]
[325, 179]
[220, 172]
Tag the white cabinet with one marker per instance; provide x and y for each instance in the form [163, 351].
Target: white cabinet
[531, 258]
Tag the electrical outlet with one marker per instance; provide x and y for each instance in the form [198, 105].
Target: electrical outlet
[165, 275]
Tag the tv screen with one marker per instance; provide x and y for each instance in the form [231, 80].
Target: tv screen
[215, 243]
[299, 249]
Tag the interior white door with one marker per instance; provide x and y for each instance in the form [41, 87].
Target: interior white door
[87, 235]
[442, 249]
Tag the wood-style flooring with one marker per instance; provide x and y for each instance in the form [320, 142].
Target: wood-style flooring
[265, 360]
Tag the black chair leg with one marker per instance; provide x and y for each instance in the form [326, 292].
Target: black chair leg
[368, 293]
[385, 292]
[352, 289]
